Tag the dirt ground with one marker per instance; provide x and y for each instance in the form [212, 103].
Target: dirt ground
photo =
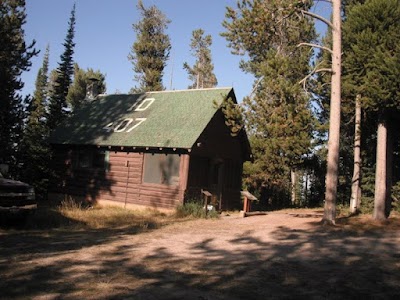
[281, 255]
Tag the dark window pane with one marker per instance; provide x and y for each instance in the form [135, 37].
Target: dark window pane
[152, 172]
[85, 159]
[90, 158]
[99, 159]
[161, 168]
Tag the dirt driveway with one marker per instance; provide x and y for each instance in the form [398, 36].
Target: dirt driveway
[274, 256]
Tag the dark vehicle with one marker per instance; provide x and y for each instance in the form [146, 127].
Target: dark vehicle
[17, 199]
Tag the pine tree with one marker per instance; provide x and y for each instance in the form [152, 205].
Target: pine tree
[58, 107]
[372, 31]
[35, 149]
[279, 118]
[37, 109]
[150, 52]
[202, 73]
[15, 58]
[78, 90]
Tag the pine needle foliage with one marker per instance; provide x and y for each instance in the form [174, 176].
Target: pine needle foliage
[15, 58]
[35, 148]
[150, 52]
[372, 70]
[78, 91]
[58, 106]
[278, 113]
[201, 74]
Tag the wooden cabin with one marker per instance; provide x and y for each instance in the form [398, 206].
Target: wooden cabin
[156, 149]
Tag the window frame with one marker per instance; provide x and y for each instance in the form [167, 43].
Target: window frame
[91, 155]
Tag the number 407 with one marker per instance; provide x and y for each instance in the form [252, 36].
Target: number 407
[126, 125]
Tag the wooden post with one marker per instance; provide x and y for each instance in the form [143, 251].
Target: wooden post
[207, 195]
[246, 204]
[247, 198]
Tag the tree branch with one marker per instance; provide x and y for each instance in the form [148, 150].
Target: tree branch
[318, 17]
[316, 46]
[327, 1]
[256, 85]
[315, 71]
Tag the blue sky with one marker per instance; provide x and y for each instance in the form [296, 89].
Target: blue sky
[104, 36]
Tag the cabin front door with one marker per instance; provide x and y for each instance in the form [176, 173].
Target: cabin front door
[217, 182]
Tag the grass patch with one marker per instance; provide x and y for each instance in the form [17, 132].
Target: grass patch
[111, 216]
[76, 215]
[71, 214]
[115, 217]
[365, 222]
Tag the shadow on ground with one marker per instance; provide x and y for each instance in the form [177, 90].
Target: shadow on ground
[314, 263]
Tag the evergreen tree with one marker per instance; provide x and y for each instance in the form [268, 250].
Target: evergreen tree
[35, 149]
[37, 109]
[15, 58]
[202, 73]
[77, 92]
[150, 51]
[372, 37]
[279, 118]
[58, 107]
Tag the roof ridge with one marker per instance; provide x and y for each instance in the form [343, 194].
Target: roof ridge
[191, 90]
[168, 91]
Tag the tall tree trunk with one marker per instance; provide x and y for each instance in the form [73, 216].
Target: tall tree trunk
[334, 119]
[389, 171]
[293, 179]
[380, 172]
[355, 200]
[306, 188]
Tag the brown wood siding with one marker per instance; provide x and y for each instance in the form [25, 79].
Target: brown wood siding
[216, 141]
[121, 183]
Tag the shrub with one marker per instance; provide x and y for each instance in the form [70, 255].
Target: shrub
[367, 205]
[194, 209]
[396, 196]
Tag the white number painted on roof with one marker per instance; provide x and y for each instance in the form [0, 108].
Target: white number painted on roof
[124, 125]
[145, 104]
[140, 105]
[139, 121]
[108, 127]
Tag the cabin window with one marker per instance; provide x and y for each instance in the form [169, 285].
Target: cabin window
[100, 159]
[161, 168]
[91, 158]
[84, 159]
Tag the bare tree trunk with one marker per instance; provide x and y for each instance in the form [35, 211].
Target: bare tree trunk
[306, 188]
[355, 200]
[293, 178]
[334, 119]
[198, 81]
[380, 173]
[389, 171]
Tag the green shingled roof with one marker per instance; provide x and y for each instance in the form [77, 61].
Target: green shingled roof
[172, 119]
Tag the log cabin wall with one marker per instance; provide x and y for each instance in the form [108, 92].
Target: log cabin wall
[120, 180]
